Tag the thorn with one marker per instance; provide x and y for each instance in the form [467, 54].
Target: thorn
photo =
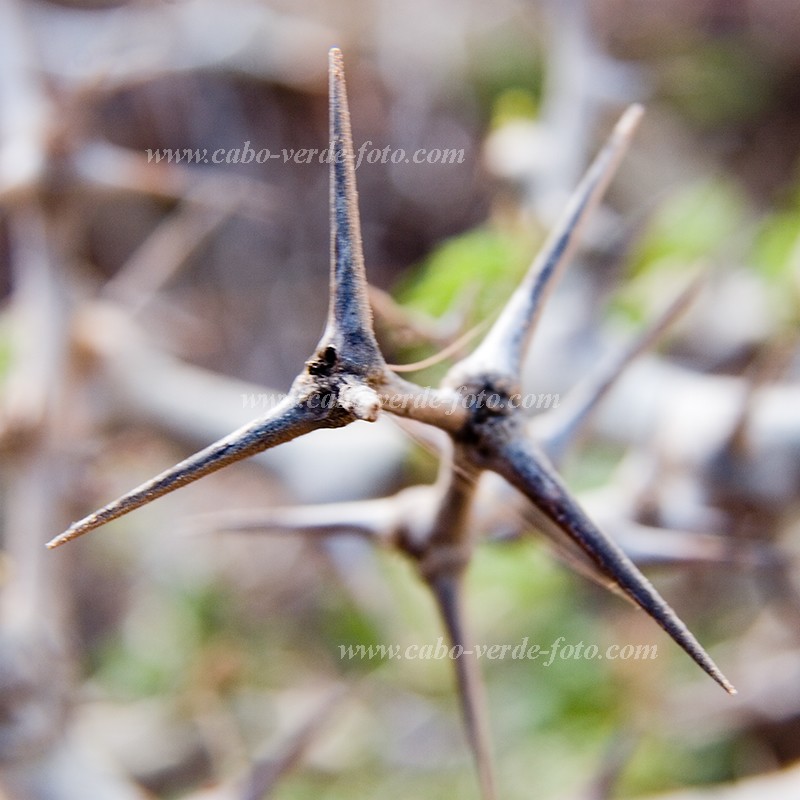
[349, 315]
[772, 360]
[522, 464]
[267, 772]
[285, 422]
[629, 121]
[503, 349]
[560, 428]
[378, 520]
[446, 588]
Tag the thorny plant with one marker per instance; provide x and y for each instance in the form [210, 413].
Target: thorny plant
[347, 379]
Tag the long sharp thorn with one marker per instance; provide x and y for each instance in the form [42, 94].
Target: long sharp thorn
[523, 465]
[504, 347]
[267, 773]
[349, 316]
[559, 429]
[446, 588]
[285, 422]
[377, 520]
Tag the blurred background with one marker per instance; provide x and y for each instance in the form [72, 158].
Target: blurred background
[147, 306]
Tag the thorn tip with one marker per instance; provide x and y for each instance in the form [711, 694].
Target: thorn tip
[57, 541]
[336, 62]
[630, 119]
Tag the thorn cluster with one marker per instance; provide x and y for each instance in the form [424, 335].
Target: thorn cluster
[432, 524]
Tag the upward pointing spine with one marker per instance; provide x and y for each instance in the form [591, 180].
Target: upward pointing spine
[349, 317]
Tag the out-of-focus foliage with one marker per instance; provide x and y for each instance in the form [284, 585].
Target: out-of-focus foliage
[700, 221]
[485, 262]
[719, 83]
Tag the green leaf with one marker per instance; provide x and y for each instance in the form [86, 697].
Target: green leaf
[719, 84]
[693, 222]
[489, 260]
[776, 253]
